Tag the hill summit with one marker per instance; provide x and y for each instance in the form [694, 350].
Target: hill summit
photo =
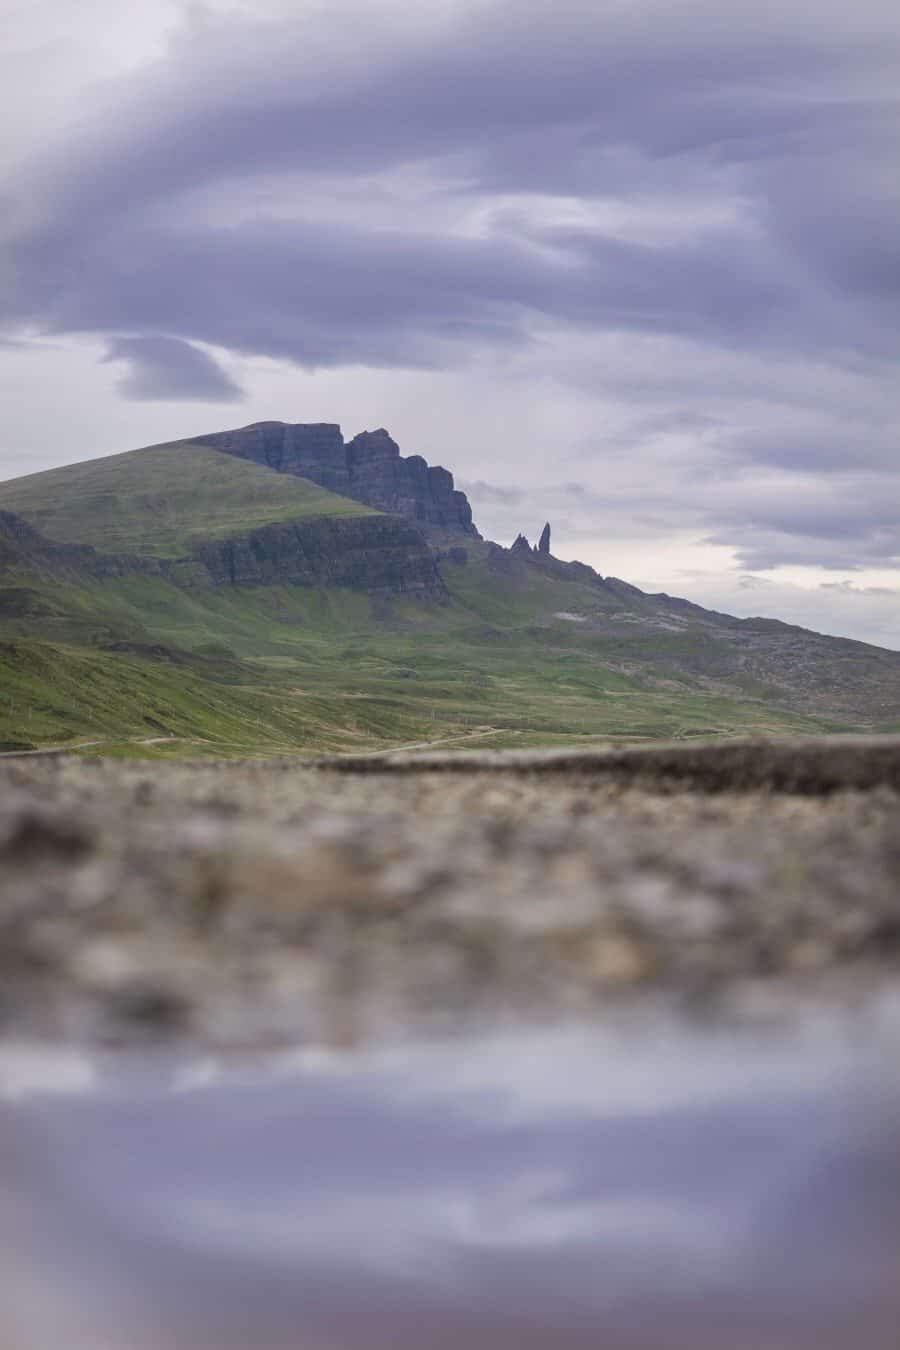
[369, 468]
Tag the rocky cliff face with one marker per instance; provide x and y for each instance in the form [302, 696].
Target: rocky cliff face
[23, 546]
[376, 554]
[366, 553]
[369, 468]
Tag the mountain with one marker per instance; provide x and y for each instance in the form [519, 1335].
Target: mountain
[193, 515]
[190, 599]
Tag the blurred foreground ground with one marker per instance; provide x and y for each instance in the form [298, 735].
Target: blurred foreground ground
[262, 902]
[235, 1104]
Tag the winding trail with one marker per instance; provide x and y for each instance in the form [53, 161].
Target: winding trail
[70, 747]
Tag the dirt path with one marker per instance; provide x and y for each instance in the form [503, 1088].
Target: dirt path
[420, 745]
[71, 746]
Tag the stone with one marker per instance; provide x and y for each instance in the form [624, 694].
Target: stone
[366, 553]
[544, 541]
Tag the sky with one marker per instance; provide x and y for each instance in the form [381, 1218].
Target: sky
[632, 266]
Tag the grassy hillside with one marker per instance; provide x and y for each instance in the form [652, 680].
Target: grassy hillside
[155, 501]
[514, 652]
[272, 669]
[154, 702]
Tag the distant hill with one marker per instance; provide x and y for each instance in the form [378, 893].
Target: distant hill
[187, 599]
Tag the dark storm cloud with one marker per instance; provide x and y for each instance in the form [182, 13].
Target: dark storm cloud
[518, 181]
[167, 368]
[323, 294]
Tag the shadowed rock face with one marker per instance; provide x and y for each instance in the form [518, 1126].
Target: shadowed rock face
[370, 553]
[22, 545]
[365, 553]
[369, 468]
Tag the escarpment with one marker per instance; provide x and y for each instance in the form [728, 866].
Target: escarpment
[21, 545]
[369, 468]
[366, 553]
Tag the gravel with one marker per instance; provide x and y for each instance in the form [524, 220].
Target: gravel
[256, 903]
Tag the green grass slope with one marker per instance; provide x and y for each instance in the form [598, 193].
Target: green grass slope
[142, 666]
[522, 654]
[166, 703]
[155, 501]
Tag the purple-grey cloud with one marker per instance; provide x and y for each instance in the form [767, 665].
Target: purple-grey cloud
[752, 115]
[168, 368]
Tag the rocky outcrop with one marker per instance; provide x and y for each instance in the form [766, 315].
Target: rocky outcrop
[369, 468]
[455, 554]
[521, 551]
[21, 545]
[20, 541]
[500, 559]
[376, 554]
[366, 553]
[522, 547]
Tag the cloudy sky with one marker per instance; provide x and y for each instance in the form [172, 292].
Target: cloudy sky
[632, 265]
